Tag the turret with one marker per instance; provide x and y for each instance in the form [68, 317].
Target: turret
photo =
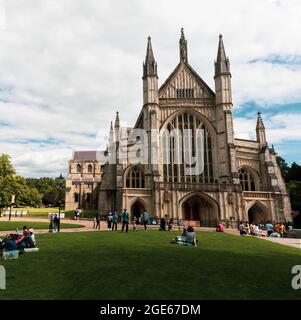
[183, 47]
[117, 127]
[111, 134]
[222, 77]
[260, 131]
[150, 77]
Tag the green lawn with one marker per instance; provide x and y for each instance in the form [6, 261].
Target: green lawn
[12, 225]
[145, 265]
[43, 212]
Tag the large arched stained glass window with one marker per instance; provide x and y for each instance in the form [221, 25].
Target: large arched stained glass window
[180, 150]
[135, 178]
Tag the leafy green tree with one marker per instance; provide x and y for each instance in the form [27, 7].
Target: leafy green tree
[284, 167]
[51, 197]
[294, 172]
[49, 188]
[6, 167]
[22, 192]
[35, 198]
[294, 189]
[7, 180]
[11, 184]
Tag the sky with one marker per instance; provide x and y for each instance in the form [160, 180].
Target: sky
[67, 66]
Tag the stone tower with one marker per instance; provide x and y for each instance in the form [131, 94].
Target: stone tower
[224, 121]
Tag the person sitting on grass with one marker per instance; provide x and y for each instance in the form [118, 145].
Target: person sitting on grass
[25, 231]
[8, 243]
[242, 229]
[188, 237]
[24, 241]
[274, 234]
[255, 230]
[170, 225]
[220, 227]
[31, 234]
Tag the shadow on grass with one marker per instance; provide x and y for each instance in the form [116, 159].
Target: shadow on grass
[145, 265]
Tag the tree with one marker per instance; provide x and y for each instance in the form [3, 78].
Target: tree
[21, 191]
[51, 197]
[294, 189]
[11, 184]
[294, 172]
[35, 198]
[284, 167]
[6, 167]
[47, 188]
[7, 180]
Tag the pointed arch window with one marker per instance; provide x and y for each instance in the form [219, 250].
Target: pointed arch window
[135, 178]
[247, 180]
[179, 151]
[78, 168]
[90, 168]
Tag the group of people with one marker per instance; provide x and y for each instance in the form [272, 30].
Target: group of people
[264, 230]
[77, 214]
[169, 223]
[113, 219]
[18, 241]
[54, 223]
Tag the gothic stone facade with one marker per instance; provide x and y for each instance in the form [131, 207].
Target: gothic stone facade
[241, 179]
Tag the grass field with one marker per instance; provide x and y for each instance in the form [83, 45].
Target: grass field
[43, 212]
[145, 265]
[12, 225]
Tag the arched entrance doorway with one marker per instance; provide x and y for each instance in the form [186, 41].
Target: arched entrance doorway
[137, 209]
[202, 209]
[257, 213]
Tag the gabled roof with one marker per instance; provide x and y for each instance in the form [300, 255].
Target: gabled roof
[85, 156]
[194, 73]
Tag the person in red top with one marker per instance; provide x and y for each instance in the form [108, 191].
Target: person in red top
[220, 228]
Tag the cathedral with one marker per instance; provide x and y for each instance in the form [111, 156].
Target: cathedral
[240, 179]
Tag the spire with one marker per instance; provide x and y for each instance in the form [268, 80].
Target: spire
[222, 63]
[259, 124]
[183, 47]
[117, 127]
[111, 134]
[117, 121]
[150, 64]
[260, 131]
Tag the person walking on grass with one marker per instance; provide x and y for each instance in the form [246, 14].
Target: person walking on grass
[134, 223]
[55, 223]
[115, 219]
[51, 223]
[109, 220]
[125, 220]
[97, 221]
[145, 219]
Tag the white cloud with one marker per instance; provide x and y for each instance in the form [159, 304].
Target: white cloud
[67, 66]
[282, 130]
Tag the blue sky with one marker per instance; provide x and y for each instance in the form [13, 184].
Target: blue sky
[67, 66]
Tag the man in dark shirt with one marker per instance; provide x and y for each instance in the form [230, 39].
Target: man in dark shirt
[125, 220]
[97, 221]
